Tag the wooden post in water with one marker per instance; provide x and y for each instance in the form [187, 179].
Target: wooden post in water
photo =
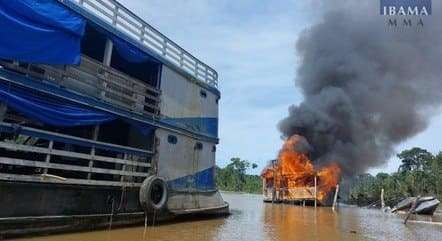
[412, 208]
[382, 199]
[316, 191]
[335, 198]
[264, 190]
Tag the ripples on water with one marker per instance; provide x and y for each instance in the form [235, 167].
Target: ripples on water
[252, 220]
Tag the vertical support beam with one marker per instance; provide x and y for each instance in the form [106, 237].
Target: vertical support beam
[143, 31]
[123, 168]
[275, 182]
[3, 109]
[107, 59]
[108, 52]
[382, 199]
[316, 190]
[196, 69]
[164, 47]
[48, 156]
[206, 75]
[335, 198]
[91, 161]
[181, 59]
[115, 16]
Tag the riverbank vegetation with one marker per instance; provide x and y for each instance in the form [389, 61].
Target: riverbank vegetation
[234, 177]
[419, 174]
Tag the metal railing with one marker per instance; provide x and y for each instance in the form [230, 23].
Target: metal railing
[92, 78]
[126, 168]
[124, 20]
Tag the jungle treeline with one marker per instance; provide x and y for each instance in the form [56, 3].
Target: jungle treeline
[420, 173]
[234, 177]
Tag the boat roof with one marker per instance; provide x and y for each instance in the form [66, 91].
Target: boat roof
[117, 19]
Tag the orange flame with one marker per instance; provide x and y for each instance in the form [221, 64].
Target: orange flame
[294, 170]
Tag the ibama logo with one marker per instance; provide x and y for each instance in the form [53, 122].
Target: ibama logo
[406, 7]
[405, 13]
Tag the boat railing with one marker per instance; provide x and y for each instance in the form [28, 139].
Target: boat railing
[128, 168]
[97, 80]
[126, 21]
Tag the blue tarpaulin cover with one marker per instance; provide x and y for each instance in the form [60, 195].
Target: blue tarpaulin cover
[40, 31]
[59, 112]
[130, 52]
[49, 110]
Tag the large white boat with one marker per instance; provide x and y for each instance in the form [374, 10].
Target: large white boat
[101, 116]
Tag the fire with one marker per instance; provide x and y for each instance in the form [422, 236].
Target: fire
[294, 170]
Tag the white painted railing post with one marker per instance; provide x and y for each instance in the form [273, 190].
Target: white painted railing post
[164, 46]
[123, 168]
[142, 33]
[139, 24]
[48, 156]
[195, 66]
[181, 59]
[115, 16]
[91, 161]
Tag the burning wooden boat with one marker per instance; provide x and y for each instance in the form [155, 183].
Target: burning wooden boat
[293, 178]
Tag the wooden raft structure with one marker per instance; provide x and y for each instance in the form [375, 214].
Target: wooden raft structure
[306, 195]
[296, 195]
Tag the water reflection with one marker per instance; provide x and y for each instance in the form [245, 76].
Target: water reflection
[252, 220]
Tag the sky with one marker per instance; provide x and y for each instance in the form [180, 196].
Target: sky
[251, 44]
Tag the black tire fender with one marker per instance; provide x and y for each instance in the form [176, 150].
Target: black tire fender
[153, 194]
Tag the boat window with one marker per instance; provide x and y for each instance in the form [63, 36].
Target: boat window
[120, 132]
[213, 148]
[203, 94]
[172, 139]
[198, 146]
[93, 44]
[146, 71]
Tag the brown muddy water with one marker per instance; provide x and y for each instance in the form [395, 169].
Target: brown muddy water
[252, 220]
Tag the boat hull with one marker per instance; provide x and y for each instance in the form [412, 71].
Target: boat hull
[428, 207]
[40, 208]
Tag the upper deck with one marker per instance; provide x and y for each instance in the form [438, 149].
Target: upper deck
[132, 28]
[88, 91]
[117, 63]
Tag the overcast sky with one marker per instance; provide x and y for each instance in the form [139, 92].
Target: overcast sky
[251, 44]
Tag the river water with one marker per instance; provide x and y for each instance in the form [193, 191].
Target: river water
[252, 220]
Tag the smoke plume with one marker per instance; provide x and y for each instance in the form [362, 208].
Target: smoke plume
[367, 86]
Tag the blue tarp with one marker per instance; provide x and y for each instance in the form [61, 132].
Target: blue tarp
[46, 32]
[40, 31]
[58, 112]
[130, 52]
[49, 110]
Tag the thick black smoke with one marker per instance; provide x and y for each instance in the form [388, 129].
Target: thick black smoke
[367, 86]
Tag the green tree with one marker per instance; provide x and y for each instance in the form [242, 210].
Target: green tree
[234, 177]
[420, 173]
[415, 159]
